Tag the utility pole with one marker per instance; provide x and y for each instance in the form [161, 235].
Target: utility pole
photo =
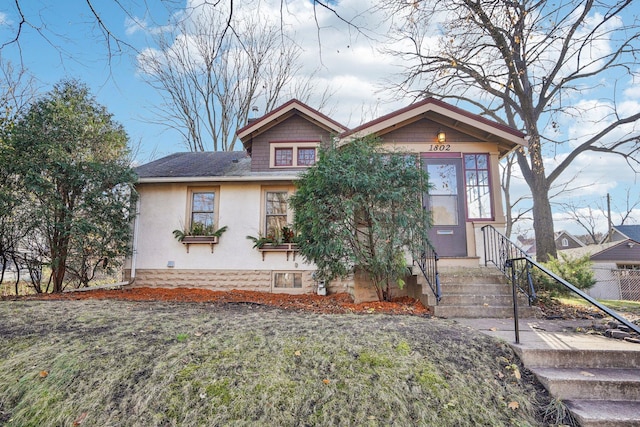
[609, 215]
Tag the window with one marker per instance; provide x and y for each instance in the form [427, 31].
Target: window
[443, 195]
[284, 157]
[202, 210]
[293, 154]
[275, 212]
[287, 280]
[628, 266]
[306, 156]
[565, 242]
[478, 188]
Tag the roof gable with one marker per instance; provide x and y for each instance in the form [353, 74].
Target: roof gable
[447, 115]
[565, 234]
[257, 126]
[622, 251]
[629, 231]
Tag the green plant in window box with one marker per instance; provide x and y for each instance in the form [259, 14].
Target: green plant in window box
[198, 229]
[284, 235]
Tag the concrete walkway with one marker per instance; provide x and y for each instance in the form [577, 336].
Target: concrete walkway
[548, 334]
[598, 378]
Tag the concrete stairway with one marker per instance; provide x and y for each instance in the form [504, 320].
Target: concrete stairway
[600, 387]
[476, 292]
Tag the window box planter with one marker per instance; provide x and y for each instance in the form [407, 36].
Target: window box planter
[288, 248]
[199, 240]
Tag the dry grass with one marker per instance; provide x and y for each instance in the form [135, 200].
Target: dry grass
[184, 364]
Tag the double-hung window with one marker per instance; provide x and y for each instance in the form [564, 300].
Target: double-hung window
[276, 213]
[202, 210]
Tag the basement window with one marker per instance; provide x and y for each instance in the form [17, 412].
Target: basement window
[287, 280]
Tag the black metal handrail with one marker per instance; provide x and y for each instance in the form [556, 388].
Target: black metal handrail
[498, 250]
[428, 264]
[512, 267]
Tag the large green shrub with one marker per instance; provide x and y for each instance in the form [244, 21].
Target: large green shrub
[576, 271]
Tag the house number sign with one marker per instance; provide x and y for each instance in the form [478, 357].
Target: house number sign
[439, 147]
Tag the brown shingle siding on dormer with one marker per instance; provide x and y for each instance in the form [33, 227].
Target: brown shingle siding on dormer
[425, 130]
[294, 129]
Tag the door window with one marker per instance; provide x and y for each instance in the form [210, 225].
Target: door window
[443, 195]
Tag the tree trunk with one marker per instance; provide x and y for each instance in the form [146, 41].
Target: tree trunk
[543, 224]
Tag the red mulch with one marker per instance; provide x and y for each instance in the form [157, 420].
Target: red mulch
[336, 303]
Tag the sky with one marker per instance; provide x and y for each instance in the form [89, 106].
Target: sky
[64, 41]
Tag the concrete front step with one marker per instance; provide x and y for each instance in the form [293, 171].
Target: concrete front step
[481, 311]
[586, 359]
[492, 300]
[591, 384]
[605, 413]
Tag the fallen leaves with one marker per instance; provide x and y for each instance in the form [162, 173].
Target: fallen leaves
[43, 374]
[513, 405]
[80, 419]
[329, 304]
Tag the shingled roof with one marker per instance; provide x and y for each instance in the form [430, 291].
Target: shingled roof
[200, 164]
[631, 231]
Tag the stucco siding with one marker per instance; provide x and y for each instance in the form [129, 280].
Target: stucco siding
[166, 206]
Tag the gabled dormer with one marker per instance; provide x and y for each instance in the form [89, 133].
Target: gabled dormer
[288, 137]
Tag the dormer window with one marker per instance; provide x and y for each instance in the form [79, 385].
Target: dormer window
[306, 156]
[293, 154]
[284, 156]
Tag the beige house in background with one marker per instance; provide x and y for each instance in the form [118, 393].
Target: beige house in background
[247, 193]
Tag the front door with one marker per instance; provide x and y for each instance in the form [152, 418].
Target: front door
[446, 203]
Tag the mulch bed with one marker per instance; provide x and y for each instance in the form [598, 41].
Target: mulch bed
[330, 304]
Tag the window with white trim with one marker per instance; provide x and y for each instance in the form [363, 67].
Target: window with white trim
[202, 210]
[276, 213]
[293, 154]
[283, 156]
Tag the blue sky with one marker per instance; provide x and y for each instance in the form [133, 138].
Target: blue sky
[70, 44]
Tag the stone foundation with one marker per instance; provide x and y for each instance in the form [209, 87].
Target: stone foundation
[224, 280]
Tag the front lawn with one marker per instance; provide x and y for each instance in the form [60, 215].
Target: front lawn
[107, 362]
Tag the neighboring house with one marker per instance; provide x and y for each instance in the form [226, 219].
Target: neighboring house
[565, 240]
[247, 192]
[616, 264]
[622, 232]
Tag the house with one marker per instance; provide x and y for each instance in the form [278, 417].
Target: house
[616, 264]
[566, 240]
[623, 232]
[247, 191]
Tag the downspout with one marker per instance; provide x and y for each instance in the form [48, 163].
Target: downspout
[134, 248]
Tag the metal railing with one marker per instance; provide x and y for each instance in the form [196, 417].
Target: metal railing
[508, 258]
[516, 265]
[428, 264]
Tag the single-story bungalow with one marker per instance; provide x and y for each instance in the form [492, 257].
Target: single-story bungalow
[246, 192]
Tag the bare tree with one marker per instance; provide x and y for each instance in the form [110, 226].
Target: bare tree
[630, 212]
[521, 63]
[212, 70]
[513, 212]
[593, 217]
[589, 218]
